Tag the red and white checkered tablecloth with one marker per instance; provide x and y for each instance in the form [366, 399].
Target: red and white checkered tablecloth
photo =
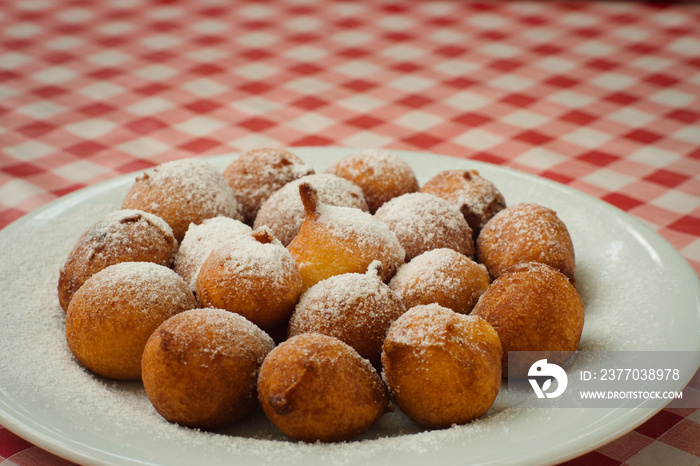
[601, 96]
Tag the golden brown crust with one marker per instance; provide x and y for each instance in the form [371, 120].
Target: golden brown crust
[183, 192]
[200, 240]
[334, 240]
[533, 307]
[254, 276]
[526, 232]
[422, 222]
[283, 212]
[314, 387]
[355, 308]
[122, 236]
[476, 197]
[441, 276]
[258, 173]
[113, 314]
[442, 368]
[381, 175]
[200, 367]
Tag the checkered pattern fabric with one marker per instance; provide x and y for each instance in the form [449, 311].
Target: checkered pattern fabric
[601, 96]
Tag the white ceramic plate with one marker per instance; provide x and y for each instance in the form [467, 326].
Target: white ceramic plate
[640, 294]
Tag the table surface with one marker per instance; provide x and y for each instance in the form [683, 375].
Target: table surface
[601, 96]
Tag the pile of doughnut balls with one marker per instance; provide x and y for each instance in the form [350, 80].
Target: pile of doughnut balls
[329, 299]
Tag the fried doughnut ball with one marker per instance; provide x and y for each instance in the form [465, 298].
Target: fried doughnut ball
[441, 276]
[200, 367]
[283, 212]
[183, 192]
[533, 307]
[254, 276]
[423, 222]
[382, 175]
[113, 314]
[355, 308]
[522, 233]
[314, 387]
[200, 240]
[335, 240]
[476, 197]
[122, 236]
[258, 173]
[442, 368]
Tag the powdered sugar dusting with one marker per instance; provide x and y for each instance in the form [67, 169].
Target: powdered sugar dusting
[350, 292]
[476, 197]
[526, 232]
[381, 174]
[382, 164]
[200, 240]
[525, 221]
[183, 191]
[354, 219]
[356, 308]
[369, 232]
[378, 165]
[258, 173]
[432, 325]
[120, 236]
[109, 226]
[123, 235]
[283, 212]
[424, 325]
[147, 286]
[227, 333]
[247, 259]
[423, 222]
[442, 276]
[197, 180]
